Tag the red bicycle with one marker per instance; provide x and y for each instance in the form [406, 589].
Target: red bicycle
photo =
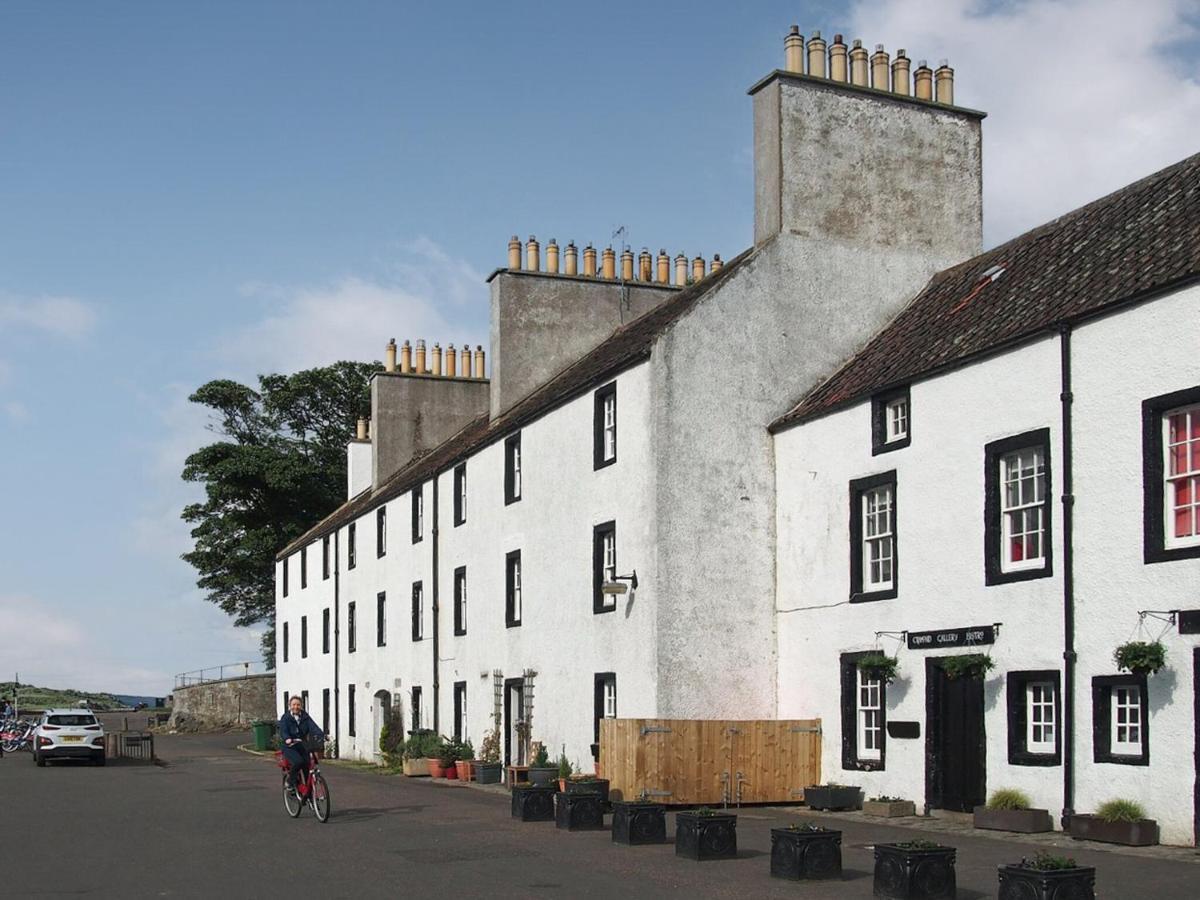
[312, 790]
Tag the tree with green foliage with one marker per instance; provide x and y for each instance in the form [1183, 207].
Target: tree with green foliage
[278, 468]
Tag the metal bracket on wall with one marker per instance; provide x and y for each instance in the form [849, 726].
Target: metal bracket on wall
[806, 729]
[655, 729]
[647, 794]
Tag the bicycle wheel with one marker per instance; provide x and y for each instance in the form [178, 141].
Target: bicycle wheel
[291, 800]
[320, 798]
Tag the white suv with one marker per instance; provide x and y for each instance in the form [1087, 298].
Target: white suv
[68, 734]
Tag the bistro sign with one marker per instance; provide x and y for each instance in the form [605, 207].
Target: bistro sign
[952, 637]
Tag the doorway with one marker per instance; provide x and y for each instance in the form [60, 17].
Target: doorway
[955, 748]
[381, 708]
[514, 719]
[1196, 728]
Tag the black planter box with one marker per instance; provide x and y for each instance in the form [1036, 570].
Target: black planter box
[821, 796]
[706, 837]
[578, 811]
[596, 785]
[543, 775]
[488, 773]
[1025, 821]
[532, 803]
[801, 855]
[903, 873]
[639, 823]
[1054, 884]
[1142, 833]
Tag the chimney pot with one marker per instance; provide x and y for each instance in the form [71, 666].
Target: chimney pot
[533, 257]
[716, 263]
[479, 367]
[858, 65]
[645, 265]
[436, 368]
[389, 356]
[451, 361]
[837, 60]
[552, 257]
[608, 268]
[572, 259]
[406, 358]
[627, 265]
[361, 431]
[945, 84]
[420, 364]
[816, 56]
[698, 269]
[514, 254]
[664, 267]
[793, 50]
[923, 81]
[589, 261]
[681, 269]
[880, 67]
[900, 66]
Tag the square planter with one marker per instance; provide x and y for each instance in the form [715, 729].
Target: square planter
[596, 785]
[828, 796]
[906, 873]
[543, 775]
[415, 768]
[639, 823]
[531, 803]
[889, 809]
[487, 773]
[706, 837]
[1055, 884]
[802, 855]
[1025, 821]
[578, 811]
[1142, 833]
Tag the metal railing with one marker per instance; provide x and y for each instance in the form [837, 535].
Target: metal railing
[220, 673]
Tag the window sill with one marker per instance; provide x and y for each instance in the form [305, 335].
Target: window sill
[512, 624]
[995, 576]
[889, 446]
[871, 596]
[509, 501]
[1044, 760]
[599, 464]
[601, 610]
[1122, 760]
[458, 633]
[1170, 554]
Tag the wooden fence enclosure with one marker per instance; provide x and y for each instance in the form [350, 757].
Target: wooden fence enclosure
[687, 761]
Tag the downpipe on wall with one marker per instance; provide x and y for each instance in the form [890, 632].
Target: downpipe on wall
[1066, 399]
[437, 680]
[337, 645]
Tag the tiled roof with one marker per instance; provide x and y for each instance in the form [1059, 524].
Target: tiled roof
[1137, 242]
[628, 345]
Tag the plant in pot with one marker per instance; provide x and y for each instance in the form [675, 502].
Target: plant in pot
[533, 802]
[392, 745]
[833, 796]
[466, 760]
[578, 811]
[967, 665]
[434, 748]
[706, 834]
[1047, 877]
[880, 665]
[415, 763]
[1140, 657]
[540, 769]
[803, 852]
[1116, 822]
[589, 782]
[915, 870]
[487, 768]
[638, 822]
[448, 758]
[889, 807]
[1011, 810]
[564, 770]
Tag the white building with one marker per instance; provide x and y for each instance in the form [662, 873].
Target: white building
[625, 428]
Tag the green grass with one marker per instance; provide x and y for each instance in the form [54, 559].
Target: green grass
[1009, 798]
[1121, 811]
[31, 697]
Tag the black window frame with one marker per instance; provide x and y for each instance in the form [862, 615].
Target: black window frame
[599, 680]
[325, 710]
[510, 620]
[286, 698]
[304, 701]
[418, 514]
[460, 494]
[858, 487]
[848, 680]
[1018, 717]
[303, 568]
[460, 703]
[381, 619]
[325, 630]
[418, 611]
[601, 394]
[601, 602]
[351, 626]
[350, 710]
[1154, 530]
[304, 638]
[351, 546]
[1102, 686]
[286, 559]
[381, 532]
[460, 601]
[415, 709]
[993, 541]
[512, 455]
[879, 403]
[325, 558]
[286, 642]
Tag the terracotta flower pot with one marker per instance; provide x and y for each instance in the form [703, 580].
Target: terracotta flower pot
[451, 771]
[463, 768]
[435, 768]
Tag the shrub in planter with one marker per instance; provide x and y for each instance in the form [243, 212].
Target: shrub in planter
[801, 852]
[589, 783]
[540, 770]
[880, 665]
[706, 834]
[1116, 822]
[1047, 877]
[635, 822]
[533, 803]
[564, 770]
[1140, 657]
[1010, 810]
[914, 870]
[967, 665]
[578, 811]
[833, 796]
[889, 807]
[487, 768]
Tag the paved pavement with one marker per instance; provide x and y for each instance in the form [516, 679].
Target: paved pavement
[211, 823]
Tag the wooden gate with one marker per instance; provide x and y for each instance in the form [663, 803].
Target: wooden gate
[687, 761]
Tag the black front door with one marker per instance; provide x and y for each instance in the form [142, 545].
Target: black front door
[956, 760]
[514, 719]
[1196, 727]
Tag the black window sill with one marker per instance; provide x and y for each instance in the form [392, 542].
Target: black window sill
[1170, 554]
[871, 596]
[509, 501]
[864, 765]
[600, 610]
[512, 624]
[1141, 759]
[1045, 760]
[603, 463]
[897, 444]
[1046, 571]
[458, 633]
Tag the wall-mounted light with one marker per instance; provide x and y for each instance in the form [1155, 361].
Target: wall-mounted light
[618, 586]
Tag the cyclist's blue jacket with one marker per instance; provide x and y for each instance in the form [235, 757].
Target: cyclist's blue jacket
[290, 729]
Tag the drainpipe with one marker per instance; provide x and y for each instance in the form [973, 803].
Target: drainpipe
[437, 682]
[1068, 506]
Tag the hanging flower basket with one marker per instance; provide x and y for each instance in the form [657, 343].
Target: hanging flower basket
[967, 665]
[1140, 657]
[881, 666]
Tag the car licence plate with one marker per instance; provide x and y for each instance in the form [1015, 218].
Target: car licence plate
[71, 739]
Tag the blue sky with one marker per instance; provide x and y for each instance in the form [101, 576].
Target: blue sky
[190, 191]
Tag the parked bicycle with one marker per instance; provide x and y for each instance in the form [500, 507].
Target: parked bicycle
[16, 734]
[311, 791]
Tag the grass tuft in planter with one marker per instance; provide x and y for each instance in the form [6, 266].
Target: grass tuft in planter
[806, 852]
[1116, 822]
[915, 870]
[635, 823]
[1047, 877]
[706, 834]
[1009, 809]
[889, 807]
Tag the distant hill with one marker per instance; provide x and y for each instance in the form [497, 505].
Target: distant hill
[31, 697]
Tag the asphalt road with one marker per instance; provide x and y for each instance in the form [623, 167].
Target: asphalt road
[211, 823]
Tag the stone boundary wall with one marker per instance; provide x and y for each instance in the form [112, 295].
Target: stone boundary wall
[230, 702]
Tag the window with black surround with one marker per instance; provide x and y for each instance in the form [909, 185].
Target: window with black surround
[874, 545]
[351, 547]
[303, 568]
[1034, 718]
[1017, 509]
[864, 715]
[512, 589]
[460, 600]
[416, 707]
[325, 710]
[284, 566]
[1171, 476]
[418, 611]
[285, 643]
[604, 566]
[605, 702]
[604, 428]
[381, 531]
[460, 710]
[325, 558]
[351, 626]
[304, 637]
[325, 630]
[381, 619]
[1120, 720]
[891, 420]
[460, 494]
[418, 513]
[512, 468]
[350, 708]
[304, 700]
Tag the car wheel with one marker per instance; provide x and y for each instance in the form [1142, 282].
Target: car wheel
[39, 759]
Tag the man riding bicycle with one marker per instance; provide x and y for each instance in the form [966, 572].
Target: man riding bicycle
[294, 727]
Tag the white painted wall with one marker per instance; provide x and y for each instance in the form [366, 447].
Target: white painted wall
[358, 468]
[300, 673]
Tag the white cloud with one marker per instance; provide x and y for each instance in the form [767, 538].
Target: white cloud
[15, 410]
[63, 317]
[1083, 96]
